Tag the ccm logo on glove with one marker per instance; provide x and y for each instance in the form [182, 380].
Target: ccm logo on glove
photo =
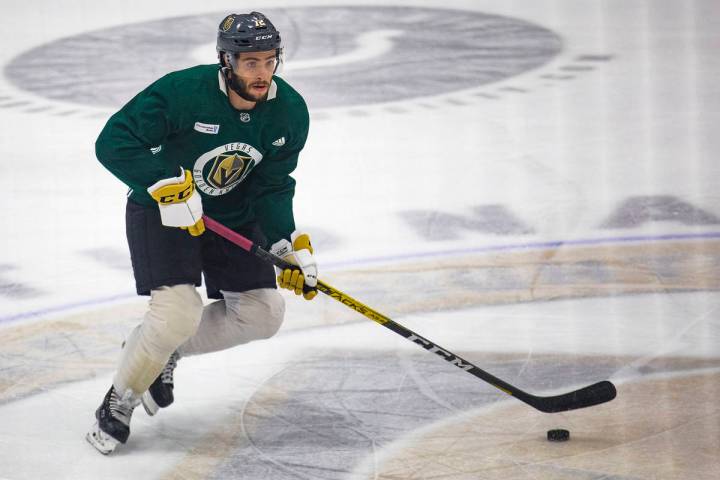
[180, 204]
[181, 196]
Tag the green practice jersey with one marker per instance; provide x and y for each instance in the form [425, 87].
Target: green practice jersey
[241, 160]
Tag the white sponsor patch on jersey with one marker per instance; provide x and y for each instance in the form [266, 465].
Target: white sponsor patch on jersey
[279, 142]
[207, 128]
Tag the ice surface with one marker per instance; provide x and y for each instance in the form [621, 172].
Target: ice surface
[551, 215]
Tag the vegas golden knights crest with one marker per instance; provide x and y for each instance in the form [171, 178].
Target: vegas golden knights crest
[227, 168]
[223, 168]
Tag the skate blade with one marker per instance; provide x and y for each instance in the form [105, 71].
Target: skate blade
[149, 404]
[102, 442]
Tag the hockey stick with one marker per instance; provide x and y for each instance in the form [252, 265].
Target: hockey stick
[595, 394]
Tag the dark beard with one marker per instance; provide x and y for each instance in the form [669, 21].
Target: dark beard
[239, 86]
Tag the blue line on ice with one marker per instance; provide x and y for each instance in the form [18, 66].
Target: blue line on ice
[367, 261]
[527, 246]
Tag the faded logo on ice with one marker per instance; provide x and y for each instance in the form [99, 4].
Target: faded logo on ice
[224, 168]
[379, 53]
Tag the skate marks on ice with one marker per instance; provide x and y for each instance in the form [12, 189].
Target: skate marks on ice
[497, 220]
[350, 415]
[79, 346]
[13, 289]
[662, 427]
[324, 414]
[43, 355]
[526, 273]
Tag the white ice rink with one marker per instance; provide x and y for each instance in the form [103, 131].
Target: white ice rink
[531, 184]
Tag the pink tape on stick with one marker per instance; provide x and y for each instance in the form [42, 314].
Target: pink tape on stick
[231, 235]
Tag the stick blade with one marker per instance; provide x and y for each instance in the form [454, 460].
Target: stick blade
[594, 394]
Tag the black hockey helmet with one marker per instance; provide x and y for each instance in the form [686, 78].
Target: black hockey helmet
[247, 32]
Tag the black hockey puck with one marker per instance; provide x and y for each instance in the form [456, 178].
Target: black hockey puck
[558, 435]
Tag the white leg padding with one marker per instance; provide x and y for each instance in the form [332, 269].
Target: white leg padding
[239, 318]
[173, 317]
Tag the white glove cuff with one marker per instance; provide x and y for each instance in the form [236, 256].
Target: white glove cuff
[308, 266]
[281, 248]
[182, 214]
[167, 181]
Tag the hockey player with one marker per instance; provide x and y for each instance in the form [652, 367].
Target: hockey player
[220, 139]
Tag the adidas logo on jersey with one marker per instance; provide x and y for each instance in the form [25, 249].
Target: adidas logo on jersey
[279, 142]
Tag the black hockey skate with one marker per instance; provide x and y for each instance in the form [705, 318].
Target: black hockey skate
[160, 393]
[113, 421]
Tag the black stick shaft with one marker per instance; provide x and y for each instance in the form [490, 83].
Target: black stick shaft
[595, 394]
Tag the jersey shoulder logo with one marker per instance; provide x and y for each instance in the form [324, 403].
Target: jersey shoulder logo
[279, 142]
[222, 169]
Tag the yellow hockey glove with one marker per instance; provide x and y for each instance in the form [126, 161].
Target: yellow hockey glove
[180, 204]
[302, 281]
